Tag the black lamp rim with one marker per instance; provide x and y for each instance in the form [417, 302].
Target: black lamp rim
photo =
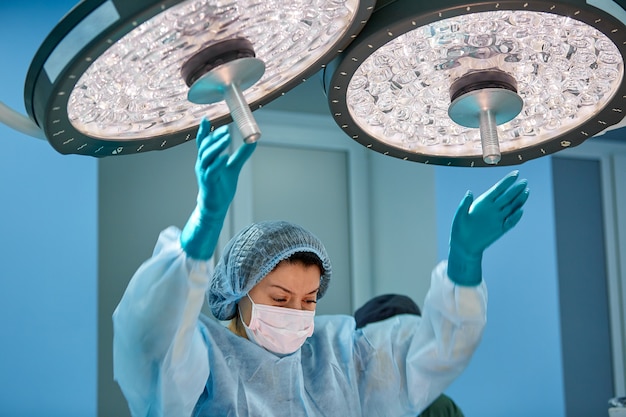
[63, 28]
[60, 30]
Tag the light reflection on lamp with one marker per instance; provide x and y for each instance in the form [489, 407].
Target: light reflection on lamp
[394, 88]
[107, 80]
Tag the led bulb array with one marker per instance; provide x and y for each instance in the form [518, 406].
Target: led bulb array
[565, 71]
[135, 87]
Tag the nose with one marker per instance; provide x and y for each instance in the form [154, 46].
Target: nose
[295, 304]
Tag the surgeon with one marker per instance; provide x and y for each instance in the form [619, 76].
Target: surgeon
[276, 357]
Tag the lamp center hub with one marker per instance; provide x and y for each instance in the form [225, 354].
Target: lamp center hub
[477, 92]
[215, 55]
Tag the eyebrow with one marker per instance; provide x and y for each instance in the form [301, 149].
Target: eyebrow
[291, 292]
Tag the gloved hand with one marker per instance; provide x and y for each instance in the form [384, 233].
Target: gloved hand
[478, 223]
[217, 177]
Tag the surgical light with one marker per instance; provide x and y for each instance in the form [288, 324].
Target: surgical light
[120, 77]
[480, 84]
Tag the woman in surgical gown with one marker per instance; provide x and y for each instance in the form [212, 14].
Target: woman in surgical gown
[276, 358]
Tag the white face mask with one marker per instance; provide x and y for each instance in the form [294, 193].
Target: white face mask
[279, 329]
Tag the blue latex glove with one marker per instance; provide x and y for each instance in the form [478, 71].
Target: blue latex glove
[217, 176]
[478, 223]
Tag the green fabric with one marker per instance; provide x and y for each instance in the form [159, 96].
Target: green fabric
[443, 406]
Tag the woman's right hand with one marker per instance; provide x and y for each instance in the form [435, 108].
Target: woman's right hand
[217, 174]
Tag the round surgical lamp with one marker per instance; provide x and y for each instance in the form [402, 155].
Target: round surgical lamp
[120, 77]
[480, 84]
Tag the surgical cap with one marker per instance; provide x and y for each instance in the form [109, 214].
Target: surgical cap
[252, 254]
[384, 306]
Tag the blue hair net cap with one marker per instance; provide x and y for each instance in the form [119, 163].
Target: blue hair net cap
[252, 254]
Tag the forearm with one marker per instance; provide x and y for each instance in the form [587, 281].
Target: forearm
[165, 294]
[453, 320]
[459, 312]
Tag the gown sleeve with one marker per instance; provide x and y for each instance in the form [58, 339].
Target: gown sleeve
[160, 360]
[413, 359]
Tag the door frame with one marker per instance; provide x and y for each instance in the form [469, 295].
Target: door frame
[611, 156]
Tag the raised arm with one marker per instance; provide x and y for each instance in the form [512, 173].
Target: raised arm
[455, 309]
[160, 358]
[454, 313]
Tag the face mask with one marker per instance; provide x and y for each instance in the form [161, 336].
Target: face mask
[279, 329]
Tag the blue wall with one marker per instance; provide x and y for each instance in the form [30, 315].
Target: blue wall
[48, 220]
[517, 370]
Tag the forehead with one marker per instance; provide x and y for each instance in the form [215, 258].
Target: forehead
[292, 276]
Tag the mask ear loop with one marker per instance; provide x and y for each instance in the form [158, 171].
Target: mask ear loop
[251, 313]
[249, 298]
[249, 334]
[241, 317]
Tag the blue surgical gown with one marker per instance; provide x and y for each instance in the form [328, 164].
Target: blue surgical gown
[170, 360]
